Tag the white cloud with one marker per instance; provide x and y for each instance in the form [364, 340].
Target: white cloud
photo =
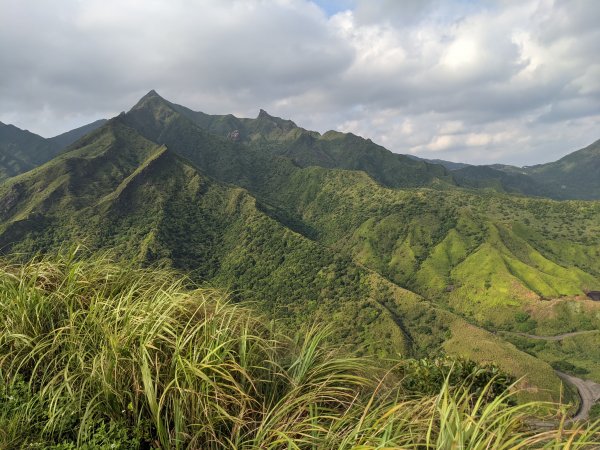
[462, 52]
[514, 81]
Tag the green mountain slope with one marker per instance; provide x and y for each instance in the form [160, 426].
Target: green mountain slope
[118, 190]
[450, 165]
[219, 157]
[272, 214]
[270, 144]
[501, 180]
[123, 192]
[504, 262]
[574, 176]
[281, 137]
[477, 251]
[21, 150]
[65, 139]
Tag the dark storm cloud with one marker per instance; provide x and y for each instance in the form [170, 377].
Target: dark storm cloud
[480, 81]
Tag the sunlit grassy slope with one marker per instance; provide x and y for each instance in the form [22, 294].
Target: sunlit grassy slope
[481, 252]
[486, 249]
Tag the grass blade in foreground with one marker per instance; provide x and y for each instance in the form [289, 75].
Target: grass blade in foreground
[95, 353]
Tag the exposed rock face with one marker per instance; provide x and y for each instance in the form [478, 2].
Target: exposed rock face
[234, 135]
[262, 114]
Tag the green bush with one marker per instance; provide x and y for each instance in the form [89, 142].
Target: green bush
[426, 377]
[566, 366]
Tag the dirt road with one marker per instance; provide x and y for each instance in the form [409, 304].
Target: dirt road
[558, 337]
[589, 392]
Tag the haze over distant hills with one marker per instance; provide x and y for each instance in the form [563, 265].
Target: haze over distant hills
[575, 176]
[329, 226]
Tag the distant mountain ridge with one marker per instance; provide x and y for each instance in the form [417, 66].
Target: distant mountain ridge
[450, 165]
[333, 149]
[280, 137]
[65, 139]
[575, 176]
[22, 150]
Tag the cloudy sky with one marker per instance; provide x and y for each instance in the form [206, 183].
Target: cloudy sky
[476, 81]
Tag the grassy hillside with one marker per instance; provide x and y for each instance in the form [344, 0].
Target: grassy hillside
[122, 192]
[451, 166]
[513, 181]
[21, 150]
[63, 140]
[117, 190]
[574, 176]
[485, 254]
[216, 156]
[394, 271]
[95, 354]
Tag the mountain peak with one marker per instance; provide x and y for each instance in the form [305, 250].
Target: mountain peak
[151, 93]
[277, 121]
[149, 97]
[264, 115]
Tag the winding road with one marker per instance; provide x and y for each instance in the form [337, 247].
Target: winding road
[558, 337]
[589, 392]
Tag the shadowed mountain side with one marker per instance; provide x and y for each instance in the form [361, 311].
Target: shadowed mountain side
[21, 150]
[65, 139]
[450, 165]
[486, 177]
[218, 157]
[577, 175]
[279, 137]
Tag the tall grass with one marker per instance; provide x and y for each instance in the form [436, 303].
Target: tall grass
[96, 353]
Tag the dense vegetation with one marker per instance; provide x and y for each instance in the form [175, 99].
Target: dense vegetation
[100, 355]
[573, 177]
[118, 190]
[272, 216]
